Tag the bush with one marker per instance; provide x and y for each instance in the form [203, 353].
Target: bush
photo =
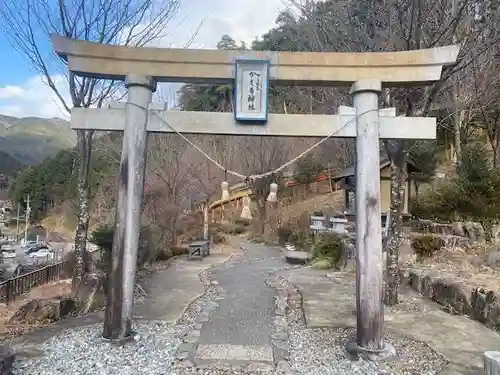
[179, 250]
[426, 245]
[228, 228]
[238, 229]
[163, 255]
[218, 238]
[474, 194]
[307, 170]
[284, 234]
[103, 235]
[323, 263]
[242, 222]
[302, 239]
[328, 249]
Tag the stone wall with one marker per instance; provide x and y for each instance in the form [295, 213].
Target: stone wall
[473, 231]
[457, 297]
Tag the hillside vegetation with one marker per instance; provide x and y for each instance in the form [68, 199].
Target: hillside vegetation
[30, 140]
[9, 165]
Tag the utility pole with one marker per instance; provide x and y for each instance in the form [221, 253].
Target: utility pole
[28, 210]
[17, 222]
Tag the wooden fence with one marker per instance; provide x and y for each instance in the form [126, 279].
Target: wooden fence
[17, 286]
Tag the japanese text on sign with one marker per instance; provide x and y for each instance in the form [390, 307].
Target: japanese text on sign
[253, 94]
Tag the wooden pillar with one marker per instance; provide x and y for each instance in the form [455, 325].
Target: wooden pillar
[205, 221]
[118, 317]
[369, 266]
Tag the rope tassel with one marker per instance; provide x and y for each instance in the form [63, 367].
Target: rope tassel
[246, 213]
[225, 191]
[273, 193]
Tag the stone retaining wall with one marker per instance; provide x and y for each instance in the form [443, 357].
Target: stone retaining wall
[469, 229]
[457, 297]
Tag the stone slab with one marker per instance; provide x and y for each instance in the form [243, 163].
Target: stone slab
[234, 352]
[330, 302]
[170, 291]
[297, 257]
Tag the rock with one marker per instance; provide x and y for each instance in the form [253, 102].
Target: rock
[474, 231]
[444, 291]
[478, 303]
[486, 307]
[347, 262]
[494, 259]
[90, 292]
[458, 229]
[471, 230]
[280, 336]
[297, 257]
[6, 359]
[495, 233]
[445, 229]
[283, 368]
[476, 260]
[46, 310]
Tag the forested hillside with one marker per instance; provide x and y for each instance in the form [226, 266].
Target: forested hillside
[30, 140]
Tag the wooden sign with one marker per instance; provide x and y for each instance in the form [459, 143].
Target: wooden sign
[251, 90]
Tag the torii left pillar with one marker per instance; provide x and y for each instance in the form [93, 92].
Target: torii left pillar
[119, 303]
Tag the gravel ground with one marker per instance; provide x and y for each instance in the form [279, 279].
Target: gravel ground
[158, 348]
[83, 351]
[321, 352]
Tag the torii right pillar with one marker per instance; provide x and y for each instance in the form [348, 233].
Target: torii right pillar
[369, 262]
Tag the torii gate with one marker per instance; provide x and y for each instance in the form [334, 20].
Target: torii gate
[141, 68]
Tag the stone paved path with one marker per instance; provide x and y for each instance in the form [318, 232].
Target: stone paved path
[241, 326]
[171, 290]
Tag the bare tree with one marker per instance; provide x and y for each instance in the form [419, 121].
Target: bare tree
[485, 111]
[262, 155]
[29, 24]
[398, 25]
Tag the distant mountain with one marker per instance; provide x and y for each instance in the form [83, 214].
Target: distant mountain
[29, 140]
[9, 165]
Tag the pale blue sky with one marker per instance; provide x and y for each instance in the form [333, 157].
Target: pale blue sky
[22, 93]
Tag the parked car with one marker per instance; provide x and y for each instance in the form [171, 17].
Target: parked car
[35, 248]
[8, 253]
[42, 253]
[27, 244]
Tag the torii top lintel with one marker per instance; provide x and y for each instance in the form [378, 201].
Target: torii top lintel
[405, 68]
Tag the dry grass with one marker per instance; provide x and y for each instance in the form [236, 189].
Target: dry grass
[47, 291]
[465, 265]
[61, 220]
[327, 202]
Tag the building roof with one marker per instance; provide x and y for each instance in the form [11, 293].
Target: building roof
[384, 162]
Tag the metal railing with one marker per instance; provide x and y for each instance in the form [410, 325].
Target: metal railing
[17, 286]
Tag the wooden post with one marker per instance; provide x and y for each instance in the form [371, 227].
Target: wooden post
[369, 278]
[205, 221]
[330, 182]
[491, 363]
[118, 317]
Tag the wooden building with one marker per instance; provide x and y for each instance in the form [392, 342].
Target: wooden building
[346, 180]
